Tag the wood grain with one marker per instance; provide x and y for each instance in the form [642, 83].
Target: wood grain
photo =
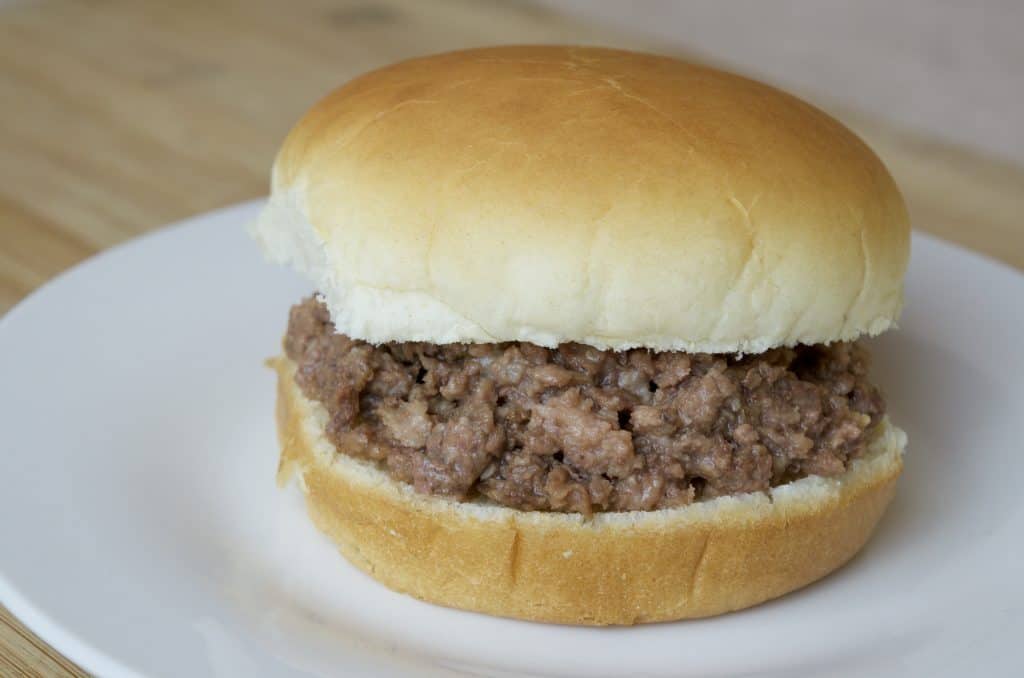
[121, 116]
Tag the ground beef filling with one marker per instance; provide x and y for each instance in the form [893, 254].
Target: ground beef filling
[580, 429]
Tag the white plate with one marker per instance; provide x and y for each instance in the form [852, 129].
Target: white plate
[142, 532]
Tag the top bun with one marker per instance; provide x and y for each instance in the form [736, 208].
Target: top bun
[556, 194]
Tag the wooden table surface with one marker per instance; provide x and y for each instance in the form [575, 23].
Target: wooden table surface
[120, 116]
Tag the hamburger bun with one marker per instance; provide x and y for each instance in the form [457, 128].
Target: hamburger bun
[617, 199]
[616, 568]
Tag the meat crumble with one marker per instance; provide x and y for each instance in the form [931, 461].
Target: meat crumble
[579, 429]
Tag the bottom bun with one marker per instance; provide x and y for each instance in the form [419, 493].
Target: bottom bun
[614, 568]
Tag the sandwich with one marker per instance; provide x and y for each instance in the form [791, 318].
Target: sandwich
[586, 341]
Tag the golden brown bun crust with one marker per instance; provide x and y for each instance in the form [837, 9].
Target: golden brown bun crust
[621, 568]
[618, 199]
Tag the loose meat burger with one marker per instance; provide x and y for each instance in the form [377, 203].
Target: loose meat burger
[586, 344]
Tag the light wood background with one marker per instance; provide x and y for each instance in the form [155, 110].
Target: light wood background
[119, 116]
